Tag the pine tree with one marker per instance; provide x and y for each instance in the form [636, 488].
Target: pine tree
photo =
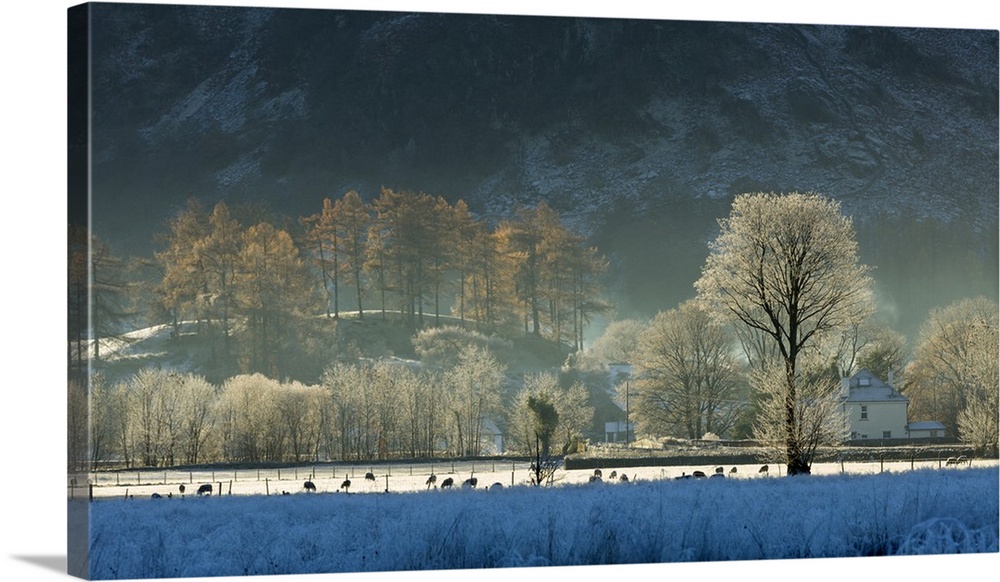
[321, 237]
[272, 291]
[184, 279]
[353, 218]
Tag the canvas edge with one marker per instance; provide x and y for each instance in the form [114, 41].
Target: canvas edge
[78, 194]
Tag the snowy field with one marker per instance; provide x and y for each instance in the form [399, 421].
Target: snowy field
[648, 520]
[408, 477]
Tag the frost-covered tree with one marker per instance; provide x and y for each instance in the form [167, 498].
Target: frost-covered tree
[77, 426]
[383, 409]
[573, 411]
[953, 377]
[198, 400]
[687, 379]
[619, 342]
[103, 415]
[442, 346]
[869, 345]
[475, 384]
[156, 418]
[246, 418]
[786, 267]
[819, 419]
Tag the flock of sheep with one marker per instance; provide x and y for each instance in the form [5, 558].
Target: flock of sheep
[472, 482]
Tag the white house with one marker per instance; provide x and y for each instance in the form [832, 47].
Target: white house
[492, 438]
[874, 409]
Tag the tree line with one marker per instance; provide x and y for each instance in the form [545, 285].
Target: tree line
[363, 411]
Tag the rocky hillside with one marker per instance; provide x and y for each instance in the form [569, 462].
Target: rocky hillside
[639, 132]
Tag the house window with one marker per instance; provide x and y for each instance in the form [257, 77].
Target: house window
[862, 381]
[887, 434]
[864, 413]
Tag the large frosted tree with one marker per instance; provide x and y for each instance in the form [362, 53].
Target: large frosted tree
[786, 266]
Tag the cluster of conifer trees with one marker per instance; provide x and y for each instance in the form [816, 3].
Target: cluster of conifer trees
[412, 257]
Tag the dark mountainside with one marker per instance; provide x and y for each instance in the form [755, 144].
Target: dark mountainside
[638, 132]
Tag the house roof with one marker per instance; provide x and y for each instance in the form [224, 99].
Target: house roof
[865, 386]
[925, 425]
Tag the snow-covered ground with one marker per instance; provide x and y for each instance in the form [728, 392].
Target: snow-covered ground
[409, 477]
[649, 520]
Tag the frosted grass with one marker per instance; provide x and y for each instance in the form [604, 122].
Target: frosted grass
[916, 512]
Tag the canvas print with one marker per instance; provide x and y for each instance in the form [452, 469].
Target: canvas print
[367, 291]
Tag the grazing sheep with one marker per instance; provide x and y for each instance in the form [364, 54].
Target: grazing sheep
[762, 470]
[496, 486]
[732, 471]
[447, 483]
[346, 485]
[471, 482]
[181, 488]
[614, 474]
[597, 473]
[285, 493]
[624, 478]
[369, 476]
[309, 486]
[699, 474]
[720, 470]
[206, 488]
[157, 496]
[431, 480]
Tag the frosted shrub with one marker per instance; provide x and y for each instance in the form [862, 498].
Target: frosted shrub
[947, 536]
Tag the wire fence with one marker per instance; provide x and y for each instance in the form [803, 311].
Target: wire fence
[417, 476]
[337, 477]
